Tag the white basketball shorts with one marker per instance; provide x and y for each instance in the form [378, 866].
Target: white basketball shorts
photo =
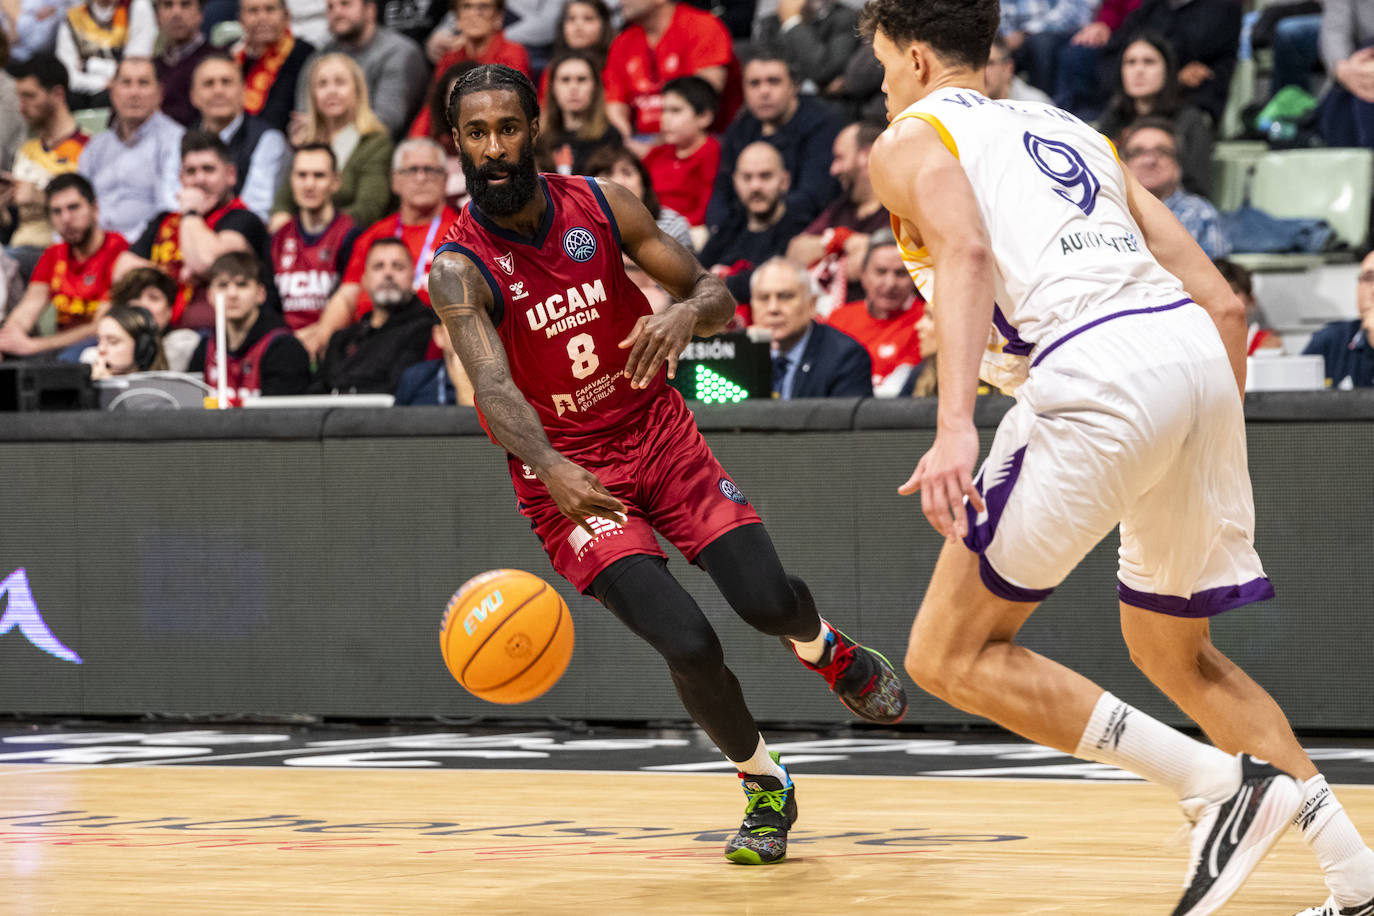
[1132, 419]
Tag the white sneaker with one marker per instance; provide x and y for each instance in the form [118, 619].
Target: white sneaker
[1230, 837]
[1330, 908]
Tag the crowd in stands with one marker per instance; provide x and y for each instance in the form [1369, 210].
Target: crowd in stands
[294, 158]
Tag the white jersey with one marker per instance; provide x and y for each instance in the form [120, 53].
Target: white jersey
[1053, 197]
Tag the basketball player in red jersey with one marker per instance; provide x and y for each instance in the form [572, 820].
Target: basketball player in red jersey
[566, 359]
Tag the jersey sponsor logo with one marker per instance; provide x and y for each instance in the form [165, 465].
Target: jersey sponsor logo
[563, 308]
[518, 291]
[731, 492]
[579, 244]
[581, 541]
[564, 403]
[507, 263]
[312, 285]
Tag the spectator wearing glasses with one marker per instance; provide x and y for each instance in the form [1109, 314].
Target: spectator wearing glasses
[1150, 151]
[1348, 346]
[418, 176]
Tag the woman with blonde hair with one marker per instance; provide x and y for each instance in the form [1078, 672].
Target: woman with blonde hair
[337, 113]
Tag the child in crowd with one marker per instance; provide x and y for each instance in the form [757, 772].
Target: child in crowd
[683, 167]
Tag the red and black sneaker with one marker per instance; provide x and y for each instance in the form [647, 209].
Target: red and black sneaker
[861, 677]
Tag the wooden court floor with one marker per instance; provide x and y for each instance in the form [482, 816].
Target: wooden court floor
[245, 840]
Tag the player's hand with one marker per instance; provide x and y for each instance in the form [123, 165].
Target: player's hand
[944, 477]
[580, 495]
[656, 339]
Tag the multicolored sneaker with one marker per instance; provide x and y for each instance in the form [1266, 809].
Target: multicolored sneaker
[861, 677]
[770, 813]
[1230, 837]
[1332, 908]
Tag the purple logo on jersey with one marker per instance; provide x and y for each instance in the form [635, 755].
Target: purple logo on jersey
[731, 492]
[580, 244]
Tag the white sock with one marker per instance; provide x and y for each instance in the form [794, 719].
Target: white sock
[760, 764]
[813, 650]
[1346, 861]
[1123, 736]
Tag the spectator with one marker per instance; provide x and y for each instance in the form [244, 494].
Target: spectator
[12, 133]
[1035, 30]
[153, 290]
[258, 149]
[436, 381]
[573, 123]
[35, 28]
[394, 68]
[417, 177]
[584, 25]
[683, 167]
[1205, 36]
[927, 380]
[625, 169]
[859, 90]
[127, 340]
[834, 244]
[54, 147]
[271, 59]
[183, 47]
[1147, 84]
[262, 357]
[478, 38]
[135, 165]
[885, 321]
[801, 127]
[1078, 87]
[94, 38]
[662, 41]
[338, 113]
[369, 356]
[1260, 336]
[818, 37]
[310, 253]
[75, 275]
[1348, 346]
[1151, 153]
[1001, 79]
[765, 226]
[435, 117]
[810, 360]
[209, 221]
[1347, 109]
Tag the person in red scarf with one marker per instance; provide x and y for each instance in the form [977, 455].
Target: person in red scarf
[209, 221]
[272, 60]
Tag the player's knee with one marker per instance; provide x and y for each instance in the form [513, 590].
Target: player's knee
[1168, 663]
[772, 605]
[695, 654]
[927, 668]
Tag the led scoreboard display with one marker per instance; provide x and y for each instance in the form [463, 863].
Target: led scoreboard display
[725, 369]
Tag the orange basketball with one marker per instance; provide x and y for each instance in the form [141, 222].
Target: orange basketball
[507, 636]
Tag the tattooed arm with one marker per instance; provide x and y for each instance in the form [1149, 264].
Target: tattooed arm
[704, 305]
[463, 302]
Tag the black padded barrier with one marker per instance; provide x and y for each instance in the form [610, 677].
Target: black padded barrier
[298, 561]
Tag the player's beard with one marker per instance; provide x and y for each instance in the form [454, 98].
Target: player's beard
[504, 199]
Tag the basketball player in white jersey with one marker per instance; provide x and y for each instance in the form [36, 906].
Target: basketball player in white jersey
[1061, 280]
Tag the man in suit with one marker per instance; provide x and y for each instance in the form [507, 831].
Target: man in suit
[810, 360]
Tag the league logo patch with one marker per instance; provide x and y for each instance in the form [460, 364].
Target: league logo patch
[580, 244]
[731, 492]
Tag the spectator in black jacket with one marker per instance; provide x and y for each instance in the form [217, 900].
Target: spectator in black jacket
[802, 129]
[1348, 346]
[369, 356]
[810, 360]
[1205, 35]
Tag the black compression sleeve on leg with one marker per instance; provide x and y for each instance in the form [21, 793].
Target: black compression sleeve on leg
[641, 592]
[745, 567]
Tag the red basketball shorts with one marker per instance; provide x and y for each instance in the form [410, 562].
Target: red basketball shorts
[664, 473]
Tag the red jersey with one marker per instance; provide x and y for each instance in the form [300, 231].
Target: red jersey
[306, 268]
[636, 73]
[78, 288]
[563, 303]
[421, 238]
[891, 342]
[682, 184]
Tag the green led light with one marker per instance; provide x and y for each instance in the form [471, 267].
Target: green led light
[713, 388]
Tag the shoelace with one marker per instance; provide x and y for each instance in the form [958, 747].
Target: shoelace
[774, 798]
[840, 660]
